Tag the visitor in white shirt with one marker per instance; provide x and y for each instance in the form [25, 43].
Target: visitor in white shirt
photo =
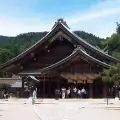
[83, 92]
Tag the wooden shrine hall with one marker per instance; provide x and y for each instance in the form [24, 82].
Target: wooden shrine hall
[62, 59]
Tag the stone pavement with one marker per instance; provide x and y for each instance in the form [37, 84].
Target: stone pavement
[17, 112]
[77, 111]
[50, 109]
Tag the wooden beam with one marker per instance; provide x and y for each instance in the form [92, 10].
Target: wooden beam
[90, 81]
[7, 81]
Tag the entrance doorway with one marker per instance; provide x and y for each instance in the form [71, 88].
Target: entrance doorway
[46, 88]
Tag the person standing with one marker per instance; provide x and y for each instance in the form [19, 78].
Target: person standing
[75, 92]
[68, 92]
[79, 93]
[83, 92]
[63, 92]
[34, 96]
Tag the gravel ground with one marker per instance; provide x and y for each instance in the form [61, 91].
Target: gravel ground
[59, 110]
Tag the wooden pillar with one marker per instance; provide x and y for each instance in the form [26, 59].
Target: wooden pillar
[44, 87]
[91, 90]
[22, 93]
[23, 82]
[58, 82]
[49, 87]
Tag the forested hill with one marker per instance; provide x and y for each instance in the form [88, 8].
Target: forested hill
[90, 38]
[113, 43]
[12, 46]
[4, 39]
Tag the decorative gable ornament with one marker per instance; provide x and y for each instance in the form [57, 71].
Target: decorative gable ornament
[61, 21]
[61, 38]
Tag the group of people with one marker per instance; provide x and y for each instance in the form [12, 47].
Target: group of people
[70, 93]
[5, 95]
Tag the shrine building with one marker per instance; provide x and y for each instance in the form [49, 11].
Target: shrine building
[62, 59]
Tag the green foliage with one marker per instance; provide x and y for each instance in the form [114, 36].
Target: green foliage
[90, 38]
[106, 75]
[118, 28]
[12, 46]
[114, 43]
[106, 79]
[116, 55]
[4, 39]
[103, 43]
[5, 54]
[112, 74]
[4, 87]
[115, 78]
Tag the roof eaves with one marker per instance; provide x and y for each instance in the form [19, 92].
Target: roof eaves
[80, 40]
[29, 49]
[32, 77]
[75, 52]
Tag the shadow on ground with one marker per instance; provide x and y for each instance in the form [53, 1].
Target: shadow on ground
[1, 110]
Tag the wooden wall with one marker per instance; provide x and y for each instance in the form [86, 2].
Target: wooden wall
[54, 52]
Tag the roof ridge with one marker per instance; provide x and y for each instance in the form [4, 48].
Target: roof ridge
[27, 50]
[48, 35]
[85, 42]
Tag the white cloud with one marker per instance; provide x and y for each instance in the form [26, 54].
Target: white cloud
[98, 19]
[94, 15]
[107, 8]
[12, 27]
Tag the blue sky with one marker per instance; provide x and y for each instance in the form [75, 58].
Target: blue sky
[94, 16]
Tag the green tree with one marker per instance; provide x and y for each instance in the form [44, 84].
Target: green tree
[114, 43]
[4, 87]
[116, 55]
[118, 28]
[5, 55]
[112, 75]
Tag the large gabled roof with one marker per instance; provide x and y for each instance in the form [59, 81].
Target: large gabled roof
[59, 26]
[77, 51]
[88, 45]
